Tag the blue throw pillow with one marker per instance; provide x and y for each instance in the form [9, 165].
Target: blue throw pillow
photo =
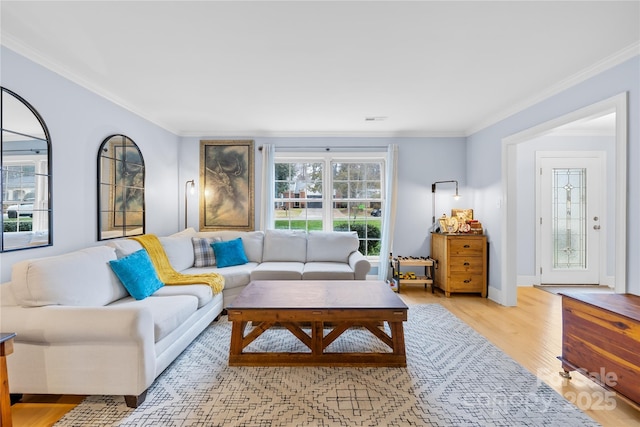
[229, 253]
[137, 274]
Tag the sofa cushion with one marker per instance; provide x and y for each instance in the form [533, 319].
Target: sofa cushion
[327, 271]
[179, 250]
[331, 246]
[234, 277]
[229, 253]
[124, 247]
[167, 313]
[202, 292]
[203, 253]
[80, 278]
[137, 274]
[278, 271]
[285, 245]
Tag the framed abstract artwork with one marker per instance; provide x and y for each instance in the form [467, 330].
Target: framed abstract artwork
[226, 185]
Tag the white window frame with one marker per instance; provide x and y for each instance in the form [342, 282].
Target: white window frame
[327, 180]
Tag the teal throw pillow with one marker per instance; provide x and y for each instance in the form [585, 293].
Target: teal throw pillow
[137, 274]
[229, 253]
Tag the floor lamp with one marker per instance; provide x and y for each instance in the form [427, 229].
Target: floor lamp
[189, 186]
[433, 200]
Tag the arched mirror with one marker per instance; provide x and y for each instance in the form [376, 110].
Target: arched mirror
[120, 188]
[26, 181]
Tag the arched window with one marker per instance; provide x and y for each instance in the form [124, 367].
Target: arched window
[26, 179]
[120, 188]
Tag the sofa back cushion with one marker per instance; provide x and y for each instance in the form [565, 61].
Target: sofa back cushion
[252, 241]
[179, 250]
[124, 247]
[80, 278]
[331, 246]
[285, 245]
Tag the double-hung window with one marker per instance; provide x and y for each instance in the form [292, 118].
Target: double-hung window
[331, 191]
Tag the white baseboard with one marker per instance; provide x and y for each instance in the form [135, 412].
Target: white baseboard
[534, 280]
[527, 280]
[495, 295]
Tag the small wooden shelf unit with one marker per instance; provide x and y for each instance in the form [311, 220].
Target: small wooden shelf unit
[402, 261]
[460, 263]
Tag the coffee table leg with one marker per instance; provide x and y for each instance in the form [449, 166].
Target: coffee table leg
[317, 335]
[397, 336]
[237, 336]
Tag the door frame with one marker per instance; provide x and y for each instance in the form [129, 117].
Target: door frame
[508, 258]
[602, 242]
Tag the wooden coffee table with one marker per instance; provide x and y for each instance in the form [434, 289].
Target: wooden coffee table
[337, 304]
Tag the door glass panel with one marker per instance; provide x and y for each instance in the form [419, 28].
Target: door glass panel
[569, 218]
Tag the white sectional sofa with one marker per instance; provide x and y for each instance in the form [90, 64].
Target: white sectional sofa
[271, 255]
[80, 332]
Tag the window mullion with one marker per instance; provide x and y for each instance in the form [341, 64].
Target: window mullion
[327, 195]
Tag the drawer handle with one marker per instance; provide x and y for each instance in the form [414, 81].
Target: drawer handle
[466, 246]
[467, 281]
[466, 263]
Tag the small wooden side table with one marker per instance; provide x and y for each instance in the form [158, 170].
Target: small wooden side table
[6, 348]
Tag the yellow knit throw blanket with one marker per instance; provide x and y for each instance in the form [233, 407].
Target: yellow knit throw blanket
[166, 272]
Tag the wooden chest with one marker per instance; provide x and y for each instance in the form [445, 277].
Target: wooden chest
[461, 263]
[601, 339]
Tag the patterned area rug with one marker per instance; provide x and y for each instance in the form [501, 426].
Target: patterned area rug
[454, 377]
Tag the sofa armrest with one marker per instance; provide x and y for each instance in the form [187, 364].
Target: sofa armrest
[360, 265]
[67, 324]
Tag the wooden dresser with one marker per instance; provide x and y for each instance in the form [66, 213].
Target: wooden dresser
[460, 263]
[601, 339]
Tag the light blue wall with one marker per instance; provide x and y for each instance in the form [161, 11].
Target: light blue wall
[484, 158]
[421, 161]
[78, 121]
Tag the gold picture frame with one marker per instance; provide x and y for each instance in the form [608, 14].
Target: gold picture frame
[227, 185]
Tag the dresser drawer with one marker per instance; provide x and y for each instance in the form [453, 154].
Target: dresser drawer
[466, 264]
[466, 282]
[467, 247]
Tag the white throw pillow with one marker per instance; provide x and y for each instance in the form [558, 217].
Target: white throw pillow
[124, 247]
[179, 250]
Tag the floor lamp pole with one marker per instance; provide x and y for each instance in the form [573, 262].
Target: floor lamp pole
[186, 204]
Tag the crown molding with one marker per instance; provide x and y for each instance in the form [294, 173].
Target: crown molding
[323, 133]
[591, 71]
[35, 56]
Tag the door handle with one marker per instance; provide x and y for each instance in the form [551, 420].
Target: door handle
[596, 227]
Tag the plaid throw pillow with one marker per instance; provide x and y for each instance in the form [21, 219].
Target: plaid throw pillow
[203, 251]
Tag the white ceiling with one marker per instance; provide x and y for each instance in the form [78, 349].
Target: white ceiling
[321, 67]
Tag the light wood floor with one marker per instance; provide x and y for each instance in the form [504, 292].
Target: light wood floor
[530, 333]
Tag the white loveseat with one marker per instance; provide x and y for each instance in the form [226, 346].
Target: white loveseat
[80, 332]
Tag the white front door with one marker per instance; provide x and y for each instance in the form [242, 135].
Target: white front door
[571, 217]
